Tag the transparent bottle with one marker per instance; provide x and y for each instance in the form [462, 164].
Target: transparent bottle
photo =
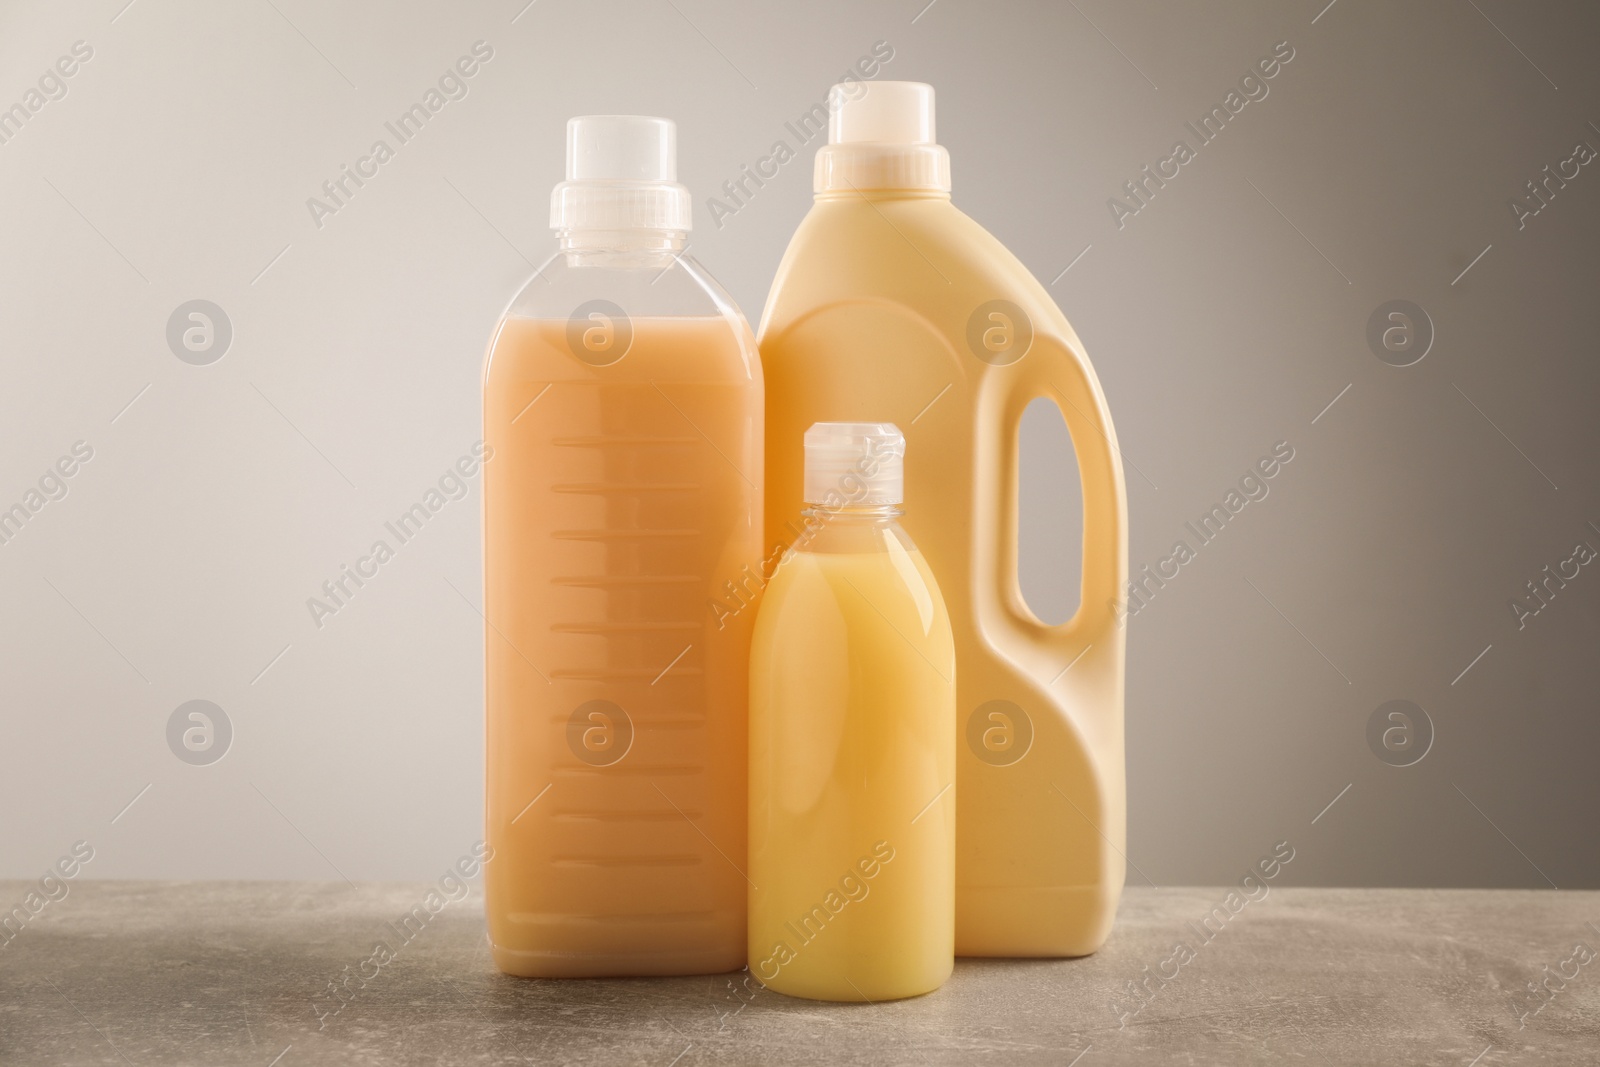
[852, 742]
[623, 419]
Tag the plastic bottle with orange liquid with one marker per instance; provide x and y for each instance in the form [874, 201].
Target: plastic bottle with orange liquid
[892, 304]
[623, 407]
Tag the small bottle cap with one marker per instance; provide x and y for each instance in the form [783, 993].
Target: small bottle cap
[860, 463]
[622, 174]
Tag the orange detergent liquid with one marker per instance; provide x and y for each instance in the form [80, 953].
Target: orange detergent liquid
[616, 506]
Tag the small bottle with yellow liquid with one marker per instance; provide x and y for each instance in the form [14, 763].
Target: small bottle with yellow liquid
[852, 742]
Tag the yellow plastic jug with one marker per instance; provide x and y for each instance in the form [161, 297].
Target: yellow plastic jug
[892, 305]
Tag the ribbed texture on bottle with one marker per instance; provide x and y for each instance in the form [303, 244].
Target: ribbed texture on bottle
[862, 166]
[619, 205]
[861, 463]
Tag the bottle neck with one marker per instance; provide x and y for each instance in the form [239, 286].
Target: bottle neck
[621, 247]
[834, 195]
[882, 171]
[850, 529]
[856, 514]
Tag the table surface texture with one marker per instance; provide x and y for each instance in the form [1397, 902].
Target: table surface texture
[216, 973]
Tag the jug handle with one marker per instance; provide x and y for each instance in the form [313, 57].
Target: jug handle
[1055, 370]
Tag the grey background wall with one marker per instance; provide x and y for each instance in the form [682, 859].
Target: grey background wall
[1229, 313]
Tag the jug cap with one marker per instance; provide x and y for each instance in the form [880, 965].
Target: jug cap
[881, 136]
[885, 112]
[860, 463]
[622, 174]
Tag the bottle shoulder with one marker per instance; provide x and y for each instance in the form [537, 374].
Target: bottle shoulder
[921, 255]
[646, 284]
[875, 565]
[657, 296]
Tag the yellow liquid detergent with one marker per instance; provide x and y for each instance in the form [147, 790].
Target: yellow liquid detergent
[892, 304]
[852, 767]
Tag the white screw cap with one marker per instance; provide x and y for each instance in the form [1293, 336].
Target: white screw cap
[881, 112]
[860, 463]
[622, 174]
[622, 147]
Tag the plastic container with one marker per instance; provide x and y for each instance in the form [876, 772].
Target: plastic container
[622, 410]
[852, 743]
[892, 304]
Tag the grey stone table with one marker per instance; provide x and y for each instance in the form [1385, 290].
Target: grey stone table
[241, 973]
